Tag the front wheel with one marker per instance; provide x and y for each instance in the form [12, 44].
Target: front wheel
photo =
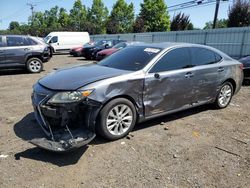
[116, 119]
[224, 96]
[34, 65]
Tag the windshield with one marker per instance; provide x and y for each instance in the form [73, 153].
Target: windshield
[47, 38]
[99, 43]
[120, 45]
[131, 58]
[88, 44]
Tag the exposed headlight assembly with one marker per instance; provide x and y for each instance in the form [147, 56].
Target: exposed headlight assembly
[69, 97]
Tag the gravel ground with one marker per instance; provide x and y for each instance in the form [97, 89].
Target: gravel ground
[201, 147]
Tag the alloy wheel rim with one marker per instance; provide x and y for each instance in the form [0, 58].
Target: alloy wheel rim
[225, 95]
[35, 65]
[119, 119]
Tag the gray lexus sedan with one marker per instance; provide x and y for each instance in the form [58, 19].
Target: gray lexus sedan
[140, 82]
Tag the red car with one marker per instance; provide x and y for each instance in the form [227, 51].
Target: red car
[104, 53]
[77, 51]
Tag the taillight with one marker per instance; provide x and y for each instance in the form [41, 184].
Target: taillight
[241, 66]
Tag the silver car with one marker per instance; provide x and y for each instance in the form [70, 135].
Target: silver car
[138, 83]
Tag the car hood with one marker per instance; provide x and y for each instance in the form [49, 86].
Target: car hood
[108, 51]
[75, 77]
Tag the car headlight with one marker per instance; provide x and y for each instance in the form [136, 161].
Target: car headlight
[69, 97]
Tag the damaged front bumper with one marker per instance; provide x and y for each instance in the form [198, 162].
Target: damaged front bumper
[67, 126]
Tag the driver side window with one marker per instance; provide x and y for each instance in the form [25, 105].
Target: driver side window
[54, 39]
[175, 59]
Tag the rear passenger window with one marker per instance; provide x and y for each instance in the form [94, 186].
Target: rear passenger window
[202, 56]
[16, 41]
[175, 59]
[31, 41]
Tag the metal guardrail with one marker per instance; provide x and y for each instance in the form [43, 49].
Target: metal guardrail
[233, 41]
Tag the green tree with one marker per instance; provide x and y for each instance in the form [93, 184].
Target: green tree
[138, 26]
[97, 16]
[181, 22]
[51, 18]
[37, 24]
[77, 16]
[121, 18]
[154, 15]
[221, 23]
[14, 25]
[239, 14]
[63, 19]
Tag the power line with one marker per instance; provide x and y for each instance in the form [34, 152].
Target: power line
[191, 4]
[186, 3]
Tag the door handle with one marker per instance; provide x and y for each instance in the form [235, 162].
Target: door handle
[189, 75]
[58, 43]
[26, 49]
[221, 69]
[1, 51]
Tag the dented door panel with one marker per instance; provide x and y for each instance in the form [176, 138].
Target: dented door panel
[172, 90]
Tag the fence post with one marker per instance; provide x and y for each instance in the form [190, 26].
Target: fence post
[153, 37]
[205, 39]
[118, 37]
[176, 36]
[242, 43]
[134, 37]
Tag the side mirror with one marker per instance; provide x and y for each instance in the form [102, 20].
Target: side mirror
[106, 45]
[156, 75]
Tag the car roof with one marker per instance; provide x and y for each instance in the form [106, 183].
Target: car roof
[165, 45]
[16, 35]
[168, 45]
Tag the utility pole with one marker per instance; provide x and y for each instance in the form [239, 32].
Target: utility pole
[216, 12]
[32, 10]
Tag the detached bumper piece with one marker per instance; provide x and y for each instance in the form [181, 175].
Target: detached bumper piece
[65, 142]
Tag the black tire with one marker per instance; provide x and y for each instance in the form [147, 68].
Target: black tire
[102, 128]
[34, 65]
[79, 54]
[218, 104]
[88, 57]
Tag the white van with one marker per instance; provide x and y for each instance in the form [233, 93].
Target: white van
[64, 41]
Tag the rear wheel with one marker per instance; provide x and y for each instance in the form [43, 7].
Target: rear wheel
[224, 96]
[34, 65]
[116, 119]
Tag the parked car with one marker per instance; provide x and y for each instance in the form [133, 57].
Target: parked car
[77, 51]
[23, 51]
[91, 51]
[138, 83]
[63, 41]
[246, 67]
[106, 52]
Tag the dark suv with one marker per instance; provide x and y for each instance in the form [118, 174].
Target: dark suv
[89, 52]
[23, 51]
